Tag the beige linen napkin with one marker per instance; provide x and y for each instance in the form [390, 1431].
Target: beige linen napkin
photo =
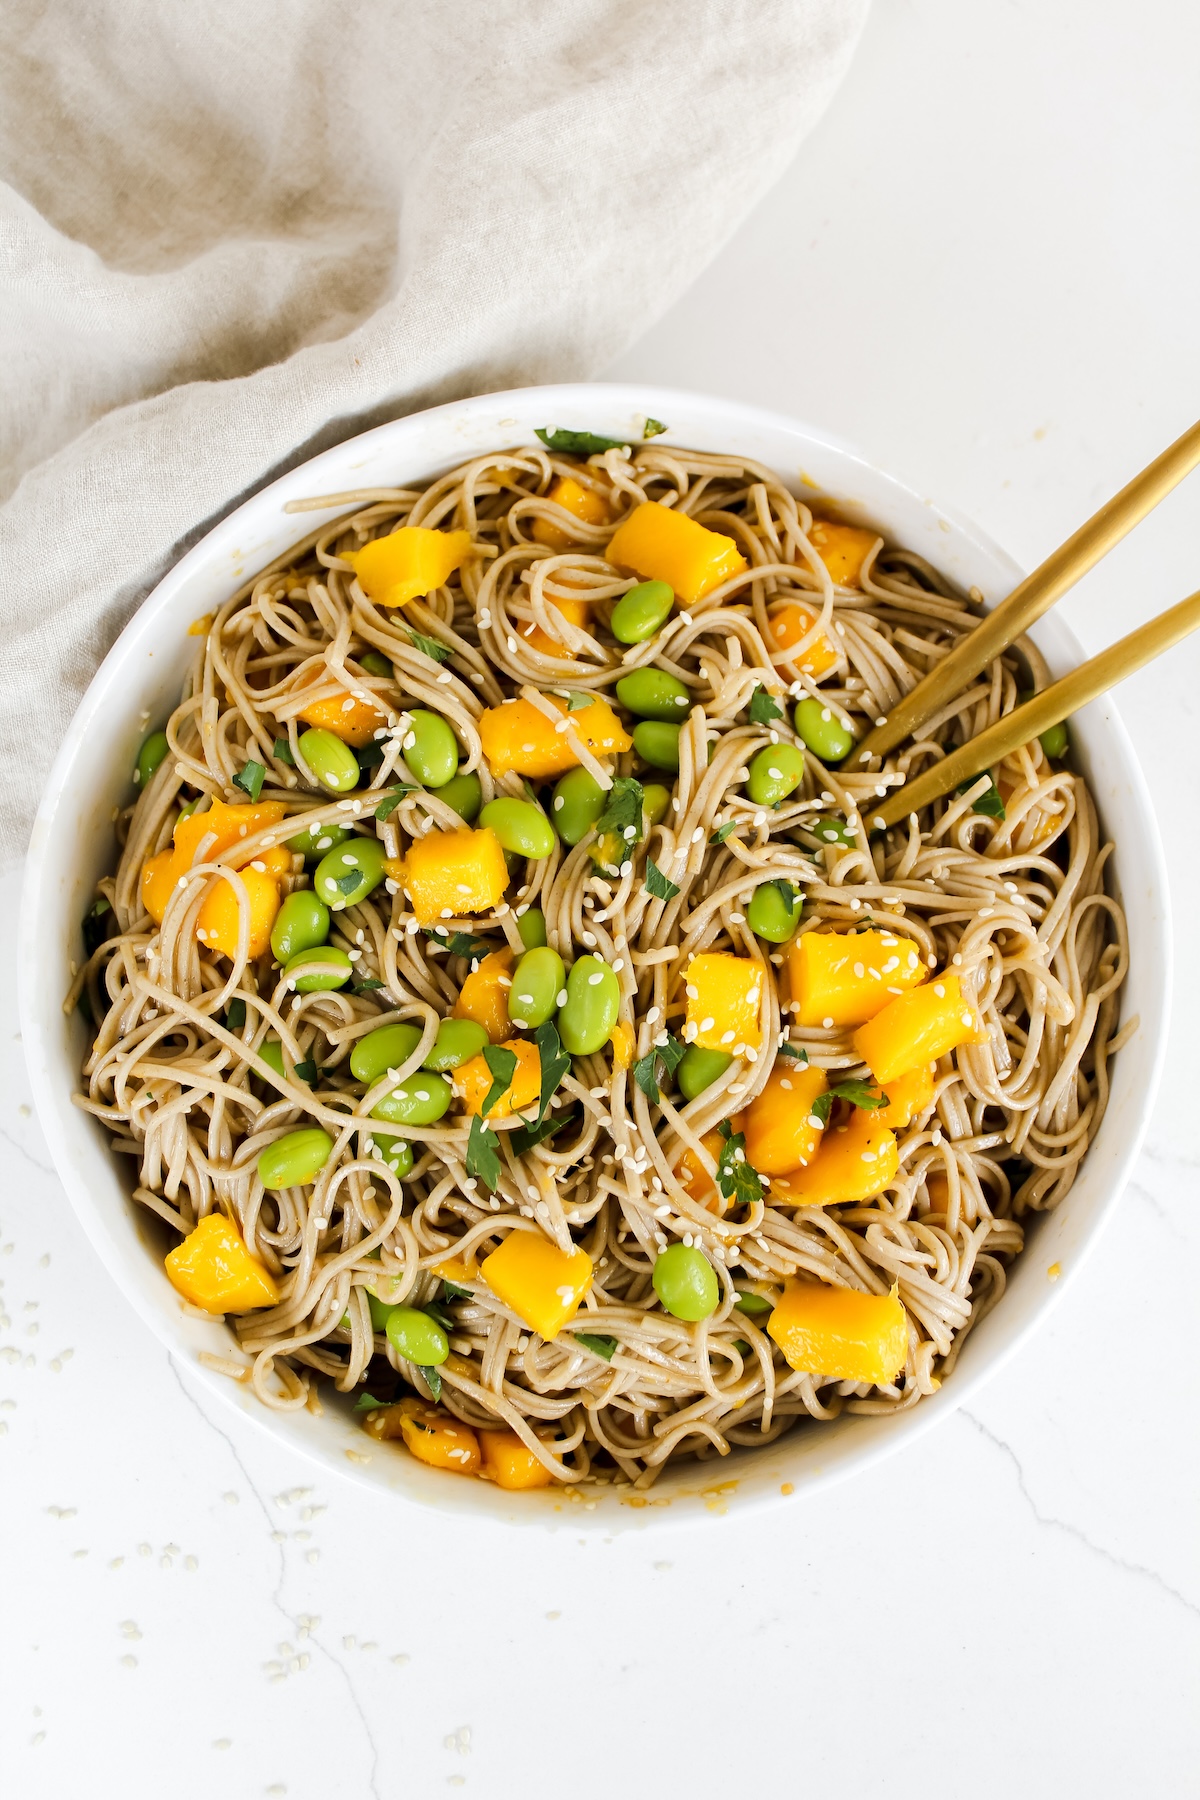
[237, 231]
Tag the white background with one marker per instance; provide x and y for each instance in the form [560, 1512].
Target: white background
[983, 268]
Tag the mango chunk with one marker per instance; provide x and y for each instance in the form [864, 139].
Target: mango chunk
[483, 996]
[576, 612]
[843, 549]
[408, 563]
[348, 717]
[661, 544]
[217, 923]
[787, 625]
[449, 873]
[857, 1160]
[907, 1095]
[918, 1028]
[214, 1270]
[473, 1081]
[621, 1039]
[780, 1132]
[431, 1435]
[226, 826]
[839, 1332]
[724, 994]
[583, 503]
[518, 736]
[542, 1284]
[841, 978]
[512, 1464]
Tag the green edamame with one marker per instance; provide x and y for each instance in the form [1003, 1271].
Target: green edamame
[301, 923]
[295, 1159]
[536, 984]
[653, 694]
[375, 663]
[332, 763]
[823, 729]
[150, 756]
[655, 801]
[317, 971]
[395, 1153]
[463, 794]
[771, 915]
[430, 748]
[698, 1069]
[832, 831]
[380, 1310]
[686, 1282]
[657, 744]
[577, 804]
[531, 928]
[417, 1100]
[348, 874]
[384, 1049]
[774, 772]
[589, 1012]
[416, 1336]
[457, 1041]
[641, 611]
[1054, 741]
[752, 1304]
[271, 1052]
[520, 826]
[313, 843]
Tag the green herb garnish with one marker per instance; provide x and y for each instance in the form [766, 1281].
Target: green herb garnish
[989, 803]
[428, 646]
[307, 1071]
[451, 1292]
[502, 1066]
[433, 1379]
[577, 701]
[645, 1072]
[736, 1178]
[387, 807]
[856, 1091]
[364, 987]
[483, 1154]
[368, 1403]
[763, 707]
[622, 810]
[529, 1136]
[577, 443]
[795, 1050]
[723, 831]
[250, 779]
[555, 1063]
[347, 883]
[597, 1344]
[235, 1014]
[657, 884]
[282, 752]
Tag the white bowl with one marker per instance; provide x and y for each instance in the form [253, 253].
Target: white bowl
[72, 845]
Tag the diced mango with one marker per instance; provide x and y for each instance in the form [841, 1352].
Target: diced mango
[433, 1436]
[622, 1044]
[918, 1028]
[512, 1464]
[217, 923]
[695, 1178]
[907, 1095]
[839, 1332]
[844, 978]
[473, 1081]
[787, 625]
[856, 1161]
[158, 883]
[581, 502]
[576, 612]
[456, 1271]
[843, 549]
[275, 862]
[226, 825]
[542, 1284]
[484, 995]
[348, 717]
[518, 736]
[408, 563]
[449, 873]
[780, 1134]
[213, 1269]
[661, 544]
[724, 994]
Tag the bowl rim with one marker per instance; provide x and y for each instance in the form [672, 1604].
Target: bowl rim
[36, 959]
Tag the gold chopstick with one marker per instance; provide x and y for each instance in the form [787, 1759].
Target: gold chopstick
[1030, 599]
[1048, 708]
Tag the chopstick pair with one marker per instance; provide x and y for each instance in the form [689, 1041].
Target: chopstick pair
[1008, 621]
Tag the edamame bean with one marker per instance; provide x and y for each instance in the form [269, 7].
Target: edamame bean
[295, 1159]
[536, 984]
[329, 966]
[271, 1052]
[752, 1304]
[417, 1337]
[457, 1041]
[430, 748]
[686, 1282]
[823, 730]
[374, 663]
[657, 744]
[395, 1153]
[332, 763]
[655, 801]
[348, 874]
[384, 1049]
[313, 843]
[771, 915]
[149, 757]
[520, 826]
[463, 794]
[531, 928]
[653, 694]
[832, 831]
[587, 1016]
[301, 923]
[1054, 741]
[639, 613]
[577, 804]
[699, 1068]
[380, 1310]
[774, 772]
[417, 1100]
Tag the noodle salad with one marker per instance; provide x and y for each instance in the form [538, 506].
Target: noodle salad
[509, 1005]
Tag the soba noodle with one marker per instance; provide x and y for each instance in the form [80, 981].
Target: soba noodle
[1015, 905]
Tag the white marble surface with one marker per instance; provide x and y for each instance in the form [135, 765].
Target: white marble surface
[983, 268]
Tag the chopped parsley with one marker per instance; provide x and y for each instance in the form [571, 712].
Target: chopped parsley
[856, 1091]
[794, 1050]
[428, 646]
[657, 884]
[763, 707]
[433, 1380]
[387, 807]
[598, 1345]
[723, 831]
[529, 1136]
[555, 1063]
[483, 1154]
[368, 1403]
[736, 1178]
[645, 1071]
[502, 1066]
